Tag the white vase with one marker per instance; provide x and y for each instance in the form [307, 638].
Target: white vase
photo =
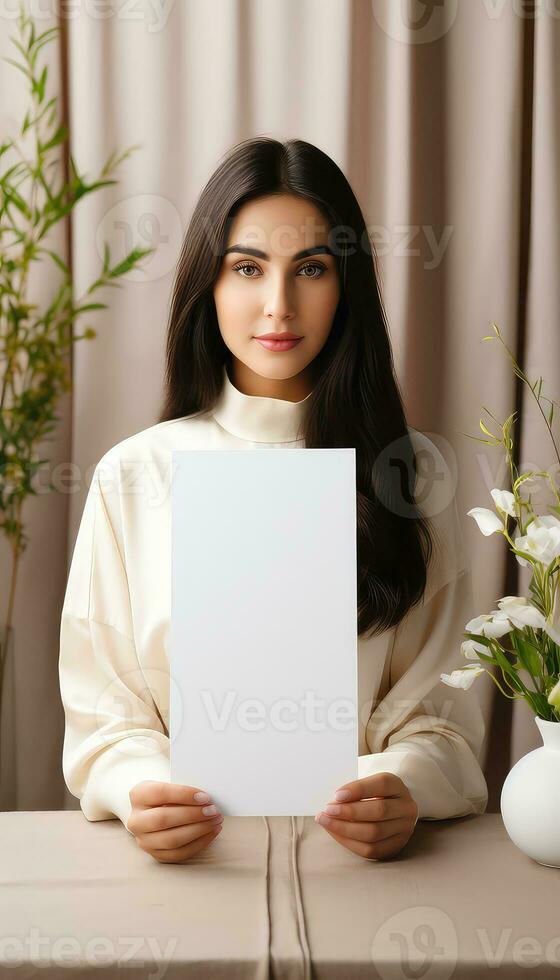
[530, 799]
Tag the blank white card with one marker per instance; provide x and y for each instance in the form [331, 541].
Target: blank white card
[263, 635]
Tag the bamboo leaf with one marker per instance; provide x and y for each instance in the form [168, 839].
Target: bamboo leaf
[90, 306]
[56, 258]
[34, 340]
[19, 46]
[127, 263]
[13, 197]
[84, 189]
[44, 38]
[39, 84]
[26, 123]
[59, 136]
[113, 160]
[22, 68]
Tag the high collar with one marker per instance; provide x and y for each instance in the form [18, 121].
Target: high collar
[258, 418]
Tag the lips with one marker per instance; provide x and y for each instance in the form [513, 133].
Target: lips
[279, 343]
[279, 336]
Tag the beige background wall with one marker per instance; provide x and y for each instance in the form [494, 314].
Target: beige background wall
[449, 134]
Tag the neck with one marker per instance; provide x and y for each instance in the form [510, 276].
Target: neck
[288, 389]
[259, 418]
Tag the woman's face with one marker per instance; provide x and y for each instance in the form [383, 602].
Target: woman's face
[265, 287]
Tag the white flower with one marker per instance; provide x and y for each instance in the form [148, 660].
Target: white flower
[554, 696]
[552, 623]
[470, 649]
[542, 540]
[521, 612]
[463, 677]
[494, 624]
[487, 520]
[505, 501]
[547, 520]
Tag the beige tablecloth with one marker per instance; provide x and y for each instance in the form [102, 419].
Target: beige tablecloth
[275, 898]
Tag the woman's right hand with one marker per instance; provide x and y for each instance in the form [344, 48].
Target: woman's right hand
[169, 823]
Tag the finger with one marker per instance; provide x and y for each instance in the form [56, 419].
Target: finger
[177, 837]
[182, 854]
[369, 832]
[386, 808]
[375, 851]
[380, 784]
[153, 793]
[150, 819]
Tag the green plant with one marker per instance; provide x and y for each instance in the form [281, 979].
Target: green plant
[36, 343]
[521, 634]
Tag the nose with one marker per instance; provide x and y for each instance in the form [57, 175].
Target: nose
[278, 303]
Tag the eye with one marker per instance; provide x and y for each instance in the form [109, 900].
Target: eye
[313, 265]
[309, 265]
[245, 265]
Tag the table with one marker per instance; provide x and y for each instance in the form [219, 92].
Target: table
[275, 897]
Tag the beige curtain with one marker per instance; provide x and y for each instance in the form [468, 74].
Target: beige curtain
[445, 118]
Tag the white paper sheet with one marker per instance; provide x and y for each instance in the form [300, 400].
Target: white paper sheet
[263, 635]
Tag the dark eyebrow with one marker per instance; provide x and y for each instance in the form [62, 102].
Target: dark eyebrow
[247, 250]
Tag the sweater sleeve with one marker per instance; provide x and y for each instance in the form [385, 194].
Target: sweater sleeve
[114, 736]
[429, 734]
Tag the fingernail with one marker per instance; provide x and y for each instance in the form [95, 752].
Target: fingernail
[209, 811]
[333, 808]
[342, 794]
[202, 797]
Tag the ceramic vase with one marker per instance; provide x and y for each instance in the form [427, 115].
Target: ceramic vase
[530, 798]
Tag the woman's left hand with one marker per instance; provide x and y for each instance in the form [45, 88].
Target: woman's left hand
[374, 828]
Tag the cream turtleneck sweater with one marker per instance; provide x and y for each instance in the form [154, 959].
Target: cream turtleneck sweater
[114, 666]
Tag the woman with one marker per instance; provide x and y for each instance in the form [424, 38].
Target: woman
[277, 244]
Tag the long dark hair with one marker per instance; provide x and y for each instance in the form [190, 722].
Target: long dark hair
[355, 403]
